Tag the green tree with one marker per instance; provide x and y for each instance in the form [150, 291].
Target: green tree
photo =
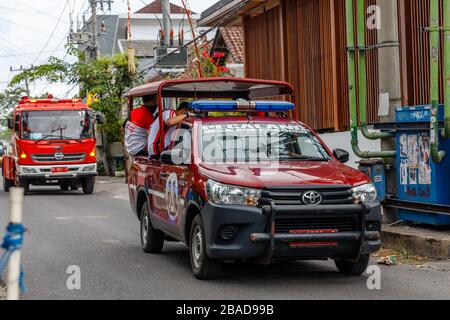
[107, 78]
[8, 100]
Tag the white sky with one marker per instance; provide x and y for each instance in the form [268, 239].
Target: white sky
[26, 26]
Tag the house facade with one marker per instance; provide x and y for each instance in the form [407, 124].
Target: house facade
[145, 26]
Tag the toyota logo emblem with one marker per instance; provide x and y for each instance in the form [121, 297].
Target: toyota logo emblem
[59, 156]
[312, 198]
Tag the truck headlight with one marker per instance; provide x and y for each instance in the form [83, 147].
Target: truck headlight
[28, 170]
[225, 194]
[365, 193]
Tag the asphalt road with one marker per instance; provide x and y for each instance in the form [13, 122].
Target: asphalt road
[101, 236]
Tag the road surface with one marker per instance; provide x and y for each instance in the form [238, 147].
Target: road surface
[100, 235]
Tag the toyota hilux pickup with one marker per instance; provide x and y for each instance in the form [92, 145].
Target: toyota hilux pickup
[250, 183]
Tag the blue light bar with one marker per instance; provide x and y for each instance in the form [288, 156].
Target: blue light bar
[231, 106]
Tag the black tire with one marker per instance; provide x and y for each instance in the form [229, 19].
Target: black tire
[203, 267]
[88, 185]
[152, 240]
[25, 185]
[353, 268]
[7, 184]
[74, 186]
[64, 186]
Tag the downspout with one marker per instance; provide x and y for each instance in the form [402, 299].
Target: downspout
[436, 154]
[361, 21]
[352, 88]
[447, 68]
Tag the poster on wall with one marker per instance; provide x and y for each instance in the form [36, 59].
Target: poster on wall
[404, 146]
[412, 176]
[404, 172]
[413, 151]
[424, 159]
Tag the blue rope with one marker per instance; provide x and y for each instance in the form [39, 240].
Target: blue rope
[13, 241]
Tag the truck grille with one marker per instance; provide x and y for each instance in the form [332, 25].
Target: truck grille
[68, 157]
[340, 224]
[293, 196]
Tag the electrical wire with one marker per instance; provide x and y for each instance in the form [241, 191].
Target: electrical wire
[53, 32]
[38, 11]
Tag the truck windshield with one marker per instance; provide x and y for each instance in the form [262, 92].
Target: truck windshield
[249, 142]
[57, 125]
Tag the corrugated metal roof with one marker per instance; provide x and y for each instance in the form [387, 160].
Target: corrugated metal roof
[142, 48]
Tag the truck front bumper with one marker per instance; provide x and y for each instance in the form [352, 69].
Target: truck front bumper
[53, 172]
[256, 233]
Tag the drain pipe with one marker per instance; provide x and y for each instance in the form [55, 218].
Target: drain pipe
[436, 154]
[361, 21]
[447, 68]
[351, 55]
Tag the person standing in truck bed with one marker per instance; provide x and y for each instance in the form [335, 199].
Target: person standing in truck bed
[138, 125]
[171, 119]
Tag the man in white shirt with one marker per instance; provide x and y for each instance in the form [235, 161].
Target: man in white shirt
[171, 119]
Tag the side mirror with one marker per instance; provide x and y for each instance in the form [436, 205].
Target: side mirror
[10, 123]
[167, 157]
[99, 118]
[341, 155]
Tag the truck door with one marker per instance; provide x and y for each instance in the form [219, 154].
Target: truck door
[174, 183]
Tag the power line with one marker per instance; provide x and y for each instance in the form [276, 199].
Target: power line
[24, 54]
[202, 34]
[39, 11]
[22, 26]
[53, 32]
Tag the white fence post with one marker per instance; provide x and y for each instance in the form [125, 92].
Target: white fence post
[12, 282]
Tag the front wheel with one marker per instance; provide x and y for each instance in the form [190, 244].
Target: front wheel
[353, 268]
[203, 267]
[25, 185]
[88, 185]
[7, 184]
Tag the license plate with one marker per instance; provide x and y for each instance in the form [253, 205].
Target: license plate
[296, 245]
[59, 170]
[313, 231]
[313, 244]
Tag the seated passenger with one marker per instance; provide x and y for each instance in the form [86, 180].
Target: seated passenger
[138, 125]
[171, 119]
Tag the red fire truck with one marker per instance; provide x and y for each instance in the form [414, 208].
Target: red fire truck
[52, 143]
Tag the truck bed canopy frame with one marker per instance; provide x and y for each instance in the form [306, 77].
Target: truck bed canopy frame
[232, 88]
[216, 88]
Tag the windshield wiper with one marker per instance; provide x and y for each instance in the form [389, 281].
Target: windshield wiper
[304, 158]
[58, 138]
[46, 137]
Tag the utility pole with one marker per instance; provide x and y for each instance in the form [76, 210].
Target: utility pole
[27, 85]
[86, 37]
[94, 52]
[166, 21]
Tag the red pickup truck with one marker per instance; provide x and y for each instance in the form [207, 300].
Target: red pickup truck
[257, 185]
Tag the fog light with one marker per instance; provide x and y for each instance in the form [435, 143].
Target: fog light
[373, 226]
[23, 155]
[227, 233]
[28, 170]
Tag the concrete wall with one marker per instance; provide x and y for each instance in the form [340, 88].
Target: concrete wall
[342, 140]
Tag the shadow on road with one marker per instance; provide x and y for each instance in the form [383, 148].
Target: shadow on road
[251, 272]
